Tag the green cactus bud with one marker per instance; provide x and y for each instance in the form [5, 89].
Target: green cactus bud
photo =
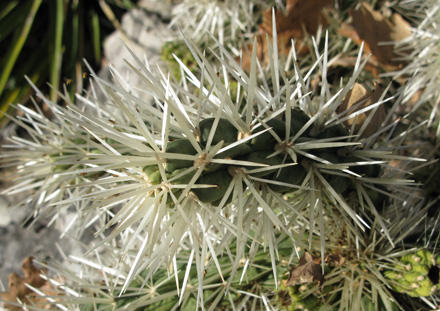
[262, 157]
[184, 179]
[155, 177]
[153, 174]
[298, 119]
[217, 202]
[150, 169]
[424, 291]
[404, 284]
[422, 269]
[266, 141]
[413, 276]
[331, 157]
[371, 170]
[426, 283]
[411, 259]
[401, 289]
[237, 151]
[225, 131]
[339, 183]
[182, 146]
[337, 130]
[426, 256]
[376, 197]
[293, 175]
[221, 179]
[393, 275]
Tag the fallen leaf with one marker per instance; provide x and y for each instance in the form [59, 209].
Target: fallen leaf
[302, 18]
[284, 46]
[301, 15]
[307, 271]
[32, 274]
[349, 62]
[377, 32]
[359, 98]
[17, 289]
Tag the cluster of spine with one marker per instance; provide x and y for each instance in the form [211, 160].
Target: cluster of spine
[159, 292]
[262, 151]
[416, 275]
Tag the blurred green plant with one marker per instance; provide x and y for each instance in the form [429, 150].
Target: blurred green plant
[47, 41]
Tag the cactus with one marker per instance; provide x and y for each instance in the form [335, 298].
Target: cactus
[194, 193]
[413, 274]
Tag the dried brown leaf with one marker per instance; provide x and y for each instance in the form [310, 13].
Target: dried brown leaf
[372, 64]
[377, 31]
[17, 289]
[302, 18]
[307, 271]
[359, 95]
[301, 15]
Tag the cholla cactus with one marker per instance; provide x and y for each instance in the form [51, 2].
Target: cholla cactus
[225, 19]
[197, 171]
[421, 52]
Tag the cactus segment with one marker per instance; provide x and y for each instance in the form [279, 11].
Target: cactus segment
[233, 153]
[426, 257]
[422, 269]
[297, 120]
[184, 179]
[413, 276]
[419, 278]
[153, 174]
[258, 150]
[424, 291]
[337, 130]
[221, 179]
[225, 131]
[182, 146]
[263, 157]
[339, 183]
[266, 140]
[293, 175]
[155, 177]
[393, 275]
[370, 170]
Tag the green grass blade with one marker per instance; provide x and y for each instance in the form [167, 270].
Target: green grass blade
[16, 47]
[96, 36]
[11, 19]
[58, 16]
[7, 7]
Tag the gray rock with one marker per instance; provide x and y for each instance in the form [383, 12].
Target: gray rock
[163, 8]
[144, 34]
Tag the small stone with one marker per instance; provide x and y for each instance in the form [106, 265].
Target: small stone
[5, 211]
